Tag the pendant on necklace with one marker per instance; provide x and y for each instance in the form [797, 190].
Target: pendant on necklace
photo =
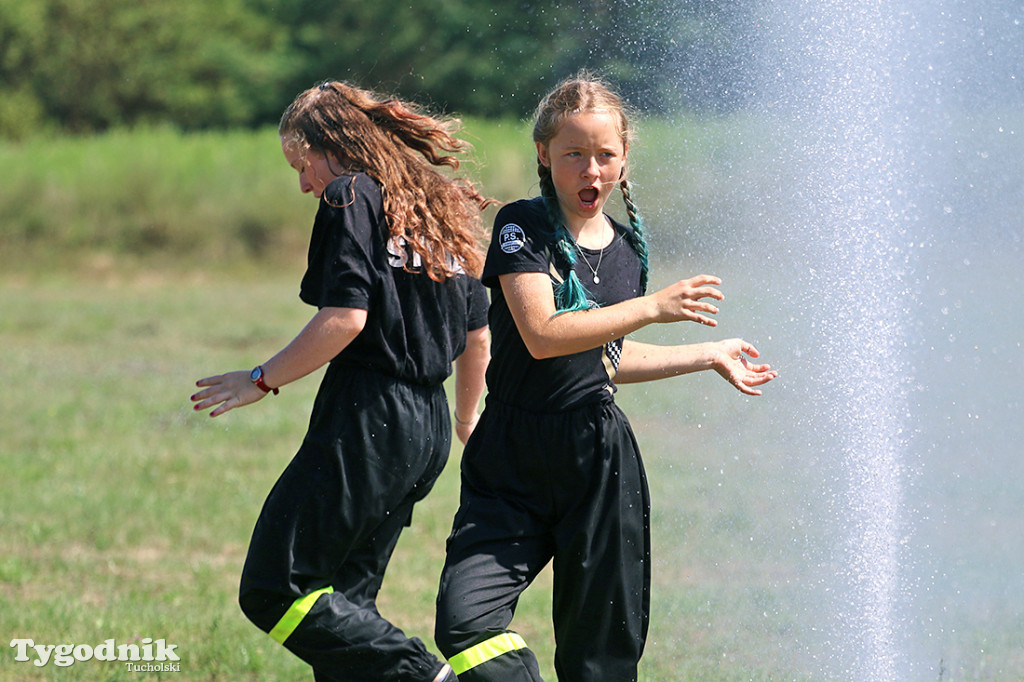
[593, 270]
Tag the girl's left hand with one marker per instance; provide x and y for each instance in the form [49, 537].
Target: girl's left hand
[465, 429]
[739, 371]
[226, 392]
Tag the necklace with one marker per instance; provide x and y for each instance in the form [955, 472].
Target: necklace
[600, 255]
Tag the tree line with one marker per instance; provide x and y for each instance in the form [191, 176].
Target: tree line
[90, 65]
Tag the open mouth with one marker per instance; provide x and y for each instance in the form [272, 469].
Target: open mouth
[588, 196]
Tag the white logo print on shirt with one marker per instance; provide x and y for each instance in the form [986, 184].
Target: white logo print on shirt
[511, 238]
[401, 254]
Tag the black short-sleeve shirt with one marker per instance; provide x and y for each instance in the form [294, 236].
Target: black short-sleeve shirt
[415, 327]
[521, 243]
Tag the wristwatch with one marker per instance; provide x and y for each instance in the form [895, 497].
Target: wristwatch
[257, 378]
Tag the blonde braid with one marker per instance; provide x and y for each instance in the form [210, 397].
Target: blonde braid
[570, 293]
[638, 240]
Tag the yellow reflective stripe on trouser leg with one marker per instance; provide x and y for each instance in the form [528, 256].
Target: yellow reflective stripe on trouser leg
[485, 651]
[294, 615]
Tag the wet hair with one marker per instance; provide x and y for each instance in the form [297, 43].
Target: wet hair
[583, 93]
[402, 148]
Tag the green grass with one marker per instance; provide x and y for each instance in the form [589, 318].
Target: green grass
[126, 515]
[157, 197]
[139, 199]
[137, 262]
[140, 261]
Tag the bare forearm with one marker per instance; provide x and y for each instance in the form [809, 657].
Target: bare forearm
[548, 333]
[326, 335]
[648, 362]
[729, 358]
[575, 332]
[470, 374]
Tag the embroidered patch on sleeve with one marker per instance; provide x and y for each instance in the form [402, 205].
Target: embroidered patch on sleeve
[511, 238]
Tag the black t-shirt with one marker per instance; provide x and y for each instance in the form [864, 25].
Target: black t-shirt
[520, 243]
[415, 327]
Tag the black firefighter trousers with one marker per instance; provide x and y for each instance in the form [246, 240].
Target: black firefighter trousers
[567, 487]
[374, 448]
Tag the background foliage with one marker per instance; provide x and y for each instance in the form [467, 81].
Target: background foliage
[159, 198]
[90, 65]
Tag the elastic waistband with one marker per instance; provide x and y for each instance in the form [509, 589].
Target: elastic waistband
[371, 374]
[598, 402]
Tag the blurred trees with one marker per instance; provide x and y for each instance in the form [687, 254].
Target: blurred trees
[92, 64]
[85, 65]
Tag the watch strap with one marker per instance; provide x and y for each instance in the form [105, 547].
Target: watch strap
[257, 378]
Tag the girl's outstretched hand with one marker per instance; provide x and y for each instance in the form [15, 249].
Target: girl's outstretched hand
[682, 301]
[226, 392]
[739, 371]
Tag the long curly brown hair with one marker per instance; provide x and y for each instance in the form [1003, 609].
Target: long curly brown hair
[393, 142]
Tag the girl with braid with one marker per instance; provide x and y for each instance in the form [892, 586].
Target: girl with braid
[394, 246]
[552, 472]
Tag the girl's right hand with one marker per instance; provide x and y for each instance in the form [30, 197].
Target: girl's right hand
[226, 392]
[682, 301]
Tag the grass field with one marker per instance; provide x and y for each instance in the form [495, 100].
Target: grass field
[126, 516]
[137, 262]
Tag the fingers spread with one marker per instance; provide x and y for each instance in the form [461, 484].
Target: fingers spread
[701, 280]
[704, 320]
[709, 292]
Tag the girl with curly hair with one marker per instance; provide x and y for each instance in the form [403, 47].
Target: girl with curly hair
[392, 258]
